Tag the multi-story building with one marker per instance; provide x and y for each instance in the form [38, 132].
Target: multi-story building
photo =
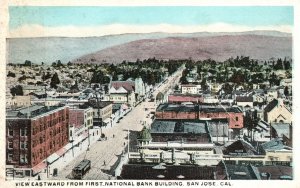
[233, 115]
[33, 134]
[81, 119]
[102, 112]
[180, 98]
[190, 89]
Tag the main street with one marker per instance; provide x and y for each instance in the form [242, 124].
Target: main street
[104, 154]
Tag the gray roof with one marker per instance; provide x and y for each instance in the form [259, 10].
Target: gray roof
[30, 112]
[282, 129]
[217, 128]
[240, 172]
[275, 144]
[178, 126]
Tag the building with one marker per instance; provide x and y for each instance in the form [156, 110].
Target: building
[102, 112]
[180, 98]
[177, 111]
[122, 92]
[276, 111]
[18, 101]
[244, 101]
[190, 89]
[81, 119]
[33, 134]
[234, 115]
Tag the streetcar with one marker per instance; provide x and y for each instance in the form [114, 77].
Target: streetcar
[81, 169]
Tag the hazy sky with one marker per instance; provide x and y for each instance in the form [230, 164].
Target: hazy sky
[106, 20]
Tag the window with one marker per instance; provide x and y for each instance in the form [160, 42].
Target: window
[10, 157]
[10, 132]
[23, 131]
[23, 145]
[10, 145]
[236, 118]
[237, 125]
[23, 158]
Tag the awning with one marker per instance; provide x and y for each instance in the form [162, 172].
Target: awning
[39, 167]
[68, 146]
[52, 158]
[61, 151]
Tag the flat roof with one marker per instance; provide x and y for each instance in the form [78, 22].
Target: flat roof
[31, 111]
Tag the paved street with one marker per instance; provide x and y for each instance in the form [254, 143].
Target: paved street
[104, 154]
[110, 149]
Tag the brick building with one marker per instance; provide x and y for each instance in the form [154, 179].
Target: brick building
[177, 111]
[179, 98]
[233, 115]
[33, 134]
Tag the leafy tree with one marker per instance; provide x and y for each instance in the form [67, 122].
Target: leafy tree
[203, 84]
[227, 88]
[27, 63]
[11, 74]
[286, 91]
[54, 81]
[17, 90]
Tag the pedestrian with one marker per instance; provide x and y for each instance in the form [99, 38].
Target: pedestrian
[124, 143]
[104, 163]
[113, 135]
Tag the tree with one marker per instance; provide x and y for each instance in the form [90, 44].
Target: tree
[54, 81]
[11, 74]
[203, 84]
[17, 90]
[227, 88]
[286, 91]
[27, 63]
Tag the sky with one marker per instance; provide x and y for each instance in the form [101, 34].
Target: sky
[79, 21]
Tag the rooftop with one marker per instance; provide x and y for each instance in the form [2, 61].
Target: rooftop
[240, 172]
[177, 108]
[178, 126]
[31, 111]
[169, 172]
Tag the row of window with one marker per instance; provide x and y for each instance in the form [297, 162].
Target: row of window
[23, 131]
[23, 158]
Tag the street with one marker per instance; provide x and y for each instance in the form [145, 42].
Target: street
[104, 154]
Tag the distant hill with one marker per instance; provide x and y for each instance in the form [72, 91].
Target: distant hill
[198, 48]
[50, 49]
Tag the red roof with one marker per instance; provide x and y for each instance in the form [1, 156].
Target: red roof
[128, 85]
[39, 167]
[182, 98]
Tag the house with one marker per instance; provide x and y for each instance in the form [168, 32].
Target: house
[19, 101]
[271, 94]
[190, 89]
[244, 101]
[276, 111]
[33, 135]
[122, 92]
